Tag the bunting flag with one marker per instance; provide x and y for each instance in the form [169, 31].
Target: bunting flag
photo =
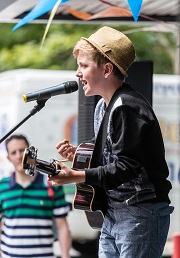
[53, 12]
[135, 7]
[41, 8]
[110, 12]
[45, 6]
[113, 11]
[80, 15]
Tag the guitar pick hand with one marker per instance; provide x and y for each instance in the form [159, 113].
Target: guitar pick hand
[66, 150]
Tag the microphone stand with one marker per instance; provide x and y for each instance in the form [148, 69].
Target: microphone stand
[36, 108]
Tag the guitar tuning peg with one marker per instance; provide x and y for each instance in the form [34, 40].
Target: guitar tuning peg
[51, 160]
[29, 172]
[33, 152]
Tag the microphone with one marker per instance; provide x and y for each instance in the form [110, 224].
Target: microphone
[45, 94]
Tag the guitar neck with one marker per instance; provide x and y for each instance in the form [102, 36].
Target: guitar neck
[46, 167]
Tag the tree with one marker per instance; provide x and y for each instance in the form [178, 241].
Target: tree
[22, 48]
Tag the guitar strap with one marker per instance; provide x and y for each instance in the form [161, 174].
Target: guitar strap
[50, 191]
[102, 133]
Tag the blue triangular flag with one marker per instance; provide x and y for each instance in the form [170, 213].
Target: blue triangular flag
[41, 8]
[135, 6]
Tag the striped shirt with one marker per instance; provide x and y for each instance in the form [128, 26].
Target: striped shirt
[27, 217]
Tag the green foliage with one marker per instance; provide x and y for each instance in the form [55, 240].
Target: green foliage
[30, 32]
[22, 48]
[158, 47]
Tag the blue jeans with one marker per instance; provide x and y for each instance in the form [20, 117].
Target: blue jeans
[135, 231]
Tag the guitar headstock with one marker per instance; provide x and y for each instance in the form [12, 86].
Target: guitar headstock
[31, 163]
[29, 160]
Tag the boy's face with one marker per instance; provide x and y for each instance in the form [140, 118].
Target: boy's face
[16, 149]
[91, 76]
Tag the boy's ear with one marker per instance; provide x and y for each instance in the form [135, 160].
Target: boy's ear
[108, 68]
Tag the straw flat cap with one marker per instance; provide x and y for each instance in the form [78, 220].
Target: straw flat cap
[114, 45]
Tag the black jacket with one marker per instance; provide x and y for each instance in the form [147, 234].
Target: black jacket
[133, 167]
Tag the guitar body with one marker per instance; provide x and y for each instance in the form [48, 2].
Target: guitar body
[91, 199]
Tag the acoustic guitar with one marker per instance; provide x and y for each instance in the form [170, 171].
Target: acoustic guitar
[90, 199]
